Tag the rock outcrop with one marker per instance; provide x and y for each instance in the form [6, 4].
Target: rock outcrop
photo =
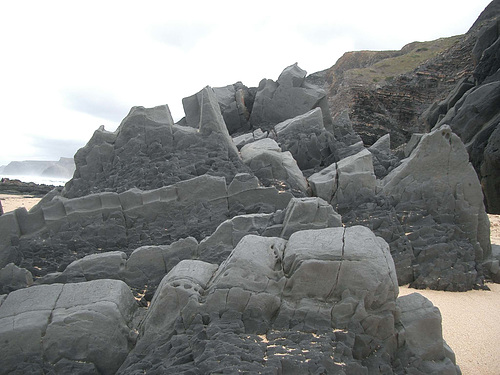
[259, 234]
[471, 110]
[49, 237]
[417, 205]
[260, 311]
[149, 151]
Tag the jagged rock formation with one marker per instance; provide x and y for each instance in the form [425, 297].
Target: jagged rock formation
[233, 264]
[411, 90]
[144, 268]
[472, 108]
[8, 186]
[149, 151]
[258, 311]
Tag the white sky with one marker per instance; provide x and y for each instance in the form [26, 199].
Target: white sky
[67, 67]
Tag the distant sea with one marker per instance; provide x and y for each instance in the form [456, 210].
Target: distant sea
[38, 179]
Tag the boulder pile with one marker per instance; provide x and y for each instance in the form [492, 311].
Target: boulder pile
[257, 234]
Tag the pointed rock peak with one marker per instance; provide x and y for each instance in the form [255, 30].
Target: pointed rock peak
[159, 115]
[383, 144]
[292, 76]
[211, 119]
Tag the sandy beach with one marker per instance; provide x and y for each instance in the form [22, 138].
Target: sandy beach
[470, 324]
[10, 201]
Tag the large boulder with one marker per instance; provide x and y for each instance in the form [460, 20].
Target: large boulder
[270, 164]
[430, 210]
[288, 97]
[457, 193]
[63, 328]
[419, 330]
[323, 301]
[307, 139]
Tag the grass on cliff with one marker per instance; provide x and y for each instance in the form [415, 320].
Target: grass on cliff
[413, 55]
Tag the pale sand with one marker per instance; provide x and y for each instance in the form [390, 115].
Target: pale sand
[471, 326]
[10, 201]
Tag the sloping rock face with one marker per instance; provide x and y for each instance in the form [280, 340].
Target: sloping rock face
[260, 311]
[419, 203]
[472, 110]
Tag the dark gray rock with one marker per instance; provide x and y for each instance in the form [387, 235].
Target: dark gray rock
[471, 110]
[13, 278]
[63, 230]
[148, 151]
[420, 331]
[288, 97]
[307, 139]
[384, 159]
[433, 219]
[85, 323]
[236, 103]
[323, 301]
[270, 164]
[350, 180]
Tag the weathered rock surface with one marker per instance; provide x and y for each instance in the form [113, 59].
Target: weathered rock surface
[53, 235]
[236, 276]
[350, 180]
[267, 161]
[434, 220]
[147, 265]
[261, 311]
[12, 278]
[288, 97]
[85, 328]
[148, 151]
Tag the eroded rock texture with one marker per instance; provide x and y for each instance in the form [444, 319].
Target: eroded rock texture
[83, 328]
[258, 234]
[149, 151]
[260, 311]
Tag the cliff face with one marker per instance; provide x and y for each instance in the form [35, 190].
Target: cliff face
[425, 85]
[387, 91]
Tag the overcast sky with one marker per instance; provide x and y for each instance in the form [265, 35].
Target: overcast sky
[68, 67]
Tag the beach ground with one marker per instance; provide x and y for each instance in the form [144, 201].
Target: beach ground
[10, 201]
[470, 321]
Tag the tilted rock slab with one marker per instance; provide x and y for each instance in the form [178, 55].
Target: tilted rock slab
[269, 163]
[62, 230]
